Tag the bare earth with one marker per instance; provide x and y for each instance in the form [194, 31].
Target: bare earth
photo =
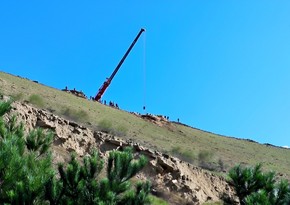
[176, 181]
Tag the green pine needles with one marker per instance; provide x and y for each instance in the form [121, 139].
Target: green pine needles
[79, 184]
[27, 175]
[254, 187]
[23, 171]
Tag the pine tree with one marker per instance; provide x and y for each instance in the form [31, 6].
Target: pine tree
[249, 180]
[23, 172]
[255, 187]
[121, 167]
[280, 195]
[258, 198]
[77, 184]
[80, 184]
[27, 176]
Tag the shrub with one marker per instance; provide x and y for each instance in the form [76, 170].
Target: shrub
[205, 156]
[120, 131]
[175, 150]
[205, 160]
[36, 100]
[17, 97]
[76, 115]
[105, 126]
[221, 165]
[186, 155]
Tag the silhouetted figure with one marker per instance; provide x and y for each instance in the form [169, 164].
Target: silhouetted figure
[105, 102]
[177, 119]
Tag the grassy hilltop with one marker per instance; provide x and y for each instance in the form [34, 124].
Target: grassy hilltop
[202, 148]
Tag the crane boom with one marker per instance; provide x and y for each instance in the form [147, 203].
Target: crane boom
[109, 80]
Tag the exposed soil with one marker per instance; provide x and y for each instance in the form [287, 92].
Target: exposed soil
[176, 181]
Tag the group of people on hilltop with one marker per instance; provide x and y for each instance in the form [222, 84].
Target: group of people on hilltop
[167, 118]
[111, 103]
[75, 92]
[104, 102]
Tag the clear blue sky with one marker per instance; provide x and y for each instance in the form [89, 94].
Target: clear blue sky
[221, 66]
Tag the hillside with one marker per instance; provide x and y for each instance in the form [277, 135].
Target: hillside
[215, 152]
[172, 179]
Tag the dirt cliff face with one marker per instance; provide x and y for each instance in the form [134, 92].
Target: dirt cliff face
[172, 179]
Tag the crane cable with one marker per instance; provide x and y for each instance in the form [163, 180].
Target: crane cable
[144, 71]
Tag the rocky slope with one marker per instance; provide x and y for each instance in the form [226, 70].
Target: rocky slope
[172, 179]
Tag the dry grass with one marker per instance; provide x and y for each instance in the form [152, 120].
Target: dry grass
[189, 141]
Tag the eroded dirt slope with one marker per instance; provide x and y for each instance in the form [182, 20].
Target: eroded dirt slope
[172, 178]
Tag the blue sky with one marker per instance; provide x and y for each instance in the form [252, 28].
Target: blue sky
[220, 66]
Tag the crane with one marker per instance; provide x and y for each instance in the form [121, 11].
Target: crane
[109, 80]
